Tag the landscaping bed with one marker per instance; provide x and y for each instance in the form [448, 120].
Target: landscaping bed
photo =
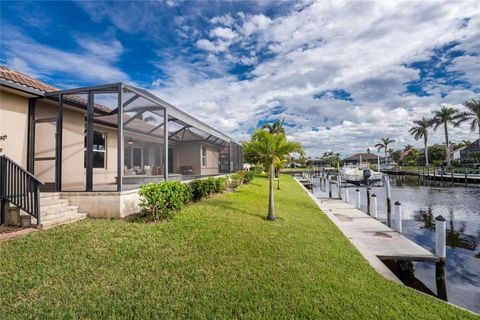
[216, 258]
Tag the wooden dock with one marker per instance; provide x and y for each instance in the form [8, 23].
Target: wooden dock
[374, 240]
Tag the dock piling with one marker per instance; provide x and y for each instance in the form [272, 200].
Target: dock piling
[368, 200]
[347, 195]
[441, 252]
[389, 201]
[357, 199]
[329, 186]
[339, 186]
[398, 217]
[374, 204]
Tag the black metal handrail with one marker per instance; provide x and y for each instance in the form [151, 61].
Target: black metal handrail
[20, 187]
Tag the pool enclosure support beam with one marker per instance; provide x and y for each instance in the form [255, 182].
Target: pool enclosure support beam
[120, 150]
[58, 146]
[31, 135]
[89, 162]
[165, 142]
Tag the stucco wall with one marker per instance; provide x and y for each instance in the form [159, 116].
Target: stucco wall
[14, 124]
[212, 166]
[186, 154]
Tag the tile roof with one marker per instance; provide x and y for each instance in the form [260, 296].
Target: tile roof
[365, 156]
[20, 78]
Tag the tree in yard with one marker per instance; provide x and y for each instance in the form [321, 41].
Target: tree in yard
[384, 145]
[279, 164]
[444, 116]
[420, 130]
[265, 147]
[275, 128]
[473, 114]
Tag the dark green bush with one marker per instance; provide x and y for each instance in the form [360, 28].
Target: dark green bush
[199, 189]
[219, 184]
[248, 177]
[161, 200]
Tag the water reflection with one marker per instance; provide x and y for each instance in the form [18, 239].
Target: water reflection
[421, 203]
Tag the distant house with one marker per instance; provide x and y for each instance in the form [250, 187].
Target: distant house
[316, 162]
[363, 158]
[466, 154]
[455, 155]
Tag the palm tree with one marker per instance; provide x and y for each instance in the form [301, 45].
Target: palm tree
[279, 164]
[384, 145]
[474, 114]
[266, 147]
[444, 116]
[275, 128]
[420, 130]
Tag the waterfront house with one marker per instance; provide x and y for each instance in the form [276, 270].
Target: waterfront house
[471, 154]
[363, 158]
[93, 147]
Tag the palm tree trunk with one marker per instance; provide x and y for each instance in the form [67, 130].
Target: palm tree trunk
[278, 182]
[271, 213]
[386, 160]
[447, 149]
[425, 139]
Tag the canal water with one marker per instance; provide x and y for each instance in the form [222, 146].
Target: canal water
[421, 203]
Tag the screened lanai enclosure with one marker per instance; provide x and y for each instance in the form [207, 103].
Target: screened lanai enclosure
[117, 137]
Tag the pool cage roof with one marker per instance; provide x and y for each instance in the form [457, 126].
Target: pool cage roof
[133, 110]
[136, 102]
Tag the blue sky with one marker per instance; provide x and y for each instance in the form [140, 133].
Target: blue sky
[343, 74]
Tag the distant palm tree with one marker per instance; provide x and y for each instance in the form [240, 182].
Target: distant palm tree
[407, 147]
[384, 145]
[421, 130]
[474, 114]
[444, 116]
[275, 128]
[279, 163]
[265, 147]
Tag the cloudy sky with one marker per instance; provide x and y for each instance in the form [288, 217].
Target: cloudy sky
[343, 73]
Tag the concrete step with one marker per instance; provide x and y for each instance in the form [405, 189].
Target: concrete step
[60, 210]
[51, 221]
[51, 203]
[49, 196]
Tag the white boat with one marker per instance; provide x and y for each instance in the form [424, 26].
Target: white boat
[387, 166]
[360, 174]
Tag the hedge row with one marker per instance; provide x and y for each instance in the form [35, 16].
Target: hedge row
[160, 201]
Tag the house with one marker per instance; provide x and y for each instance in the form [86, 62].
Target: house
[93, 147]
[469, 155]
[363, 158]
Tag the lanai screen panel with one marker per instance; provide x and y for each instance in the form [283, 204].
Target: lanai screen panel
[194, 153]
[143, 140]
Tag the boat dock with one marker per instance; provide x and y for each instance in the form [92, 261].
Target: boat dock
[374, 240]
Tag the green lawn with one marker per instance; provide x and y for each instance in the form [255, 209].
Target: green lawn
[218, 258]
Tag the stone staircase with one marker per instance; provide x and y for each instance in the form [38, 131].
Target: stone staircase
[55, 211]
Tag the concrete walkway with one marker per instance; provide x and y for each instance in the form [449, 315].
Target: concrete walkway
[373, 239]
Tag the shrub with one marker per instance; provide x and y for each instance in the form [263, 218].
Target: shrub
[233, 181]
[437, 163]
[241, 174]
[220, 184]
[199, 189]
[161, 200]
[248, 177]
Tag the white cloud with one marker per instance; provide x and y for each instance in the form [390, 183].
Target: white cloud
[360, 47]
[225, 33]
[94, 63]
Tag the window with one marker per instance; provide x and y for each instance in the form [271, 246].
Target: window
[99, 147]
[204, 156]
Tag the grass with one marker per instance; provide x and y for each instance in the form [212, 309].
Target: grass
[218, 258]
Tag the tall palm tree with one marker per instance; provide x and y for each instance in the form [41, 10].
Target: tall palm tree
[444, 116]
[384, 145]
[420, 130]
[275, 128]
[279, 164]
[266, 147]
[474, 114]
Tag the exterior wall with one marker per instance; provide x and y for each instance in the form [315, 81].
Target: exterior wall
[187, 154]
[212, 166]
[14, 124]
